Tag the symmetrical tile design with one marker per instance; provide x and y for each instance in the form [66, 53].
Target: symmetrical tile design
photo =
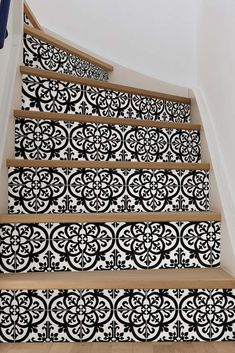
[63, 97]
[58, 190]
[42, 55]
[48, 139]
[108, 246]
[117, 315]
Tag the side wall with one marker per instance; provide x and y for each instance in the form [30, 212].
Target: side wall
[9, 92]
[215, 94]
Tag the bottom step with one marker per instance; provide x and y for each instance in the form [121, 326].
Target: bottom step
[117, 312]
[187, 347]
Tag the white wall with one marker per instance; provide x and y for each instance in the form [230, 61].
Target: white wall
[10, 94]
[215, 81]
[152, 37]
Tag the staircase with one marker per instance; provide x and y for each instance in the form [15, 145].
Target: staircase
[109, 236]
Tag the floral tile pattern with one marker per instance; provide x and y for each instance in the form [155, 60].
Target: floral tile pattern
[117, 315]
[47, 139]
[40, 190]
[108, 246]
[42, 55]
[47, 95]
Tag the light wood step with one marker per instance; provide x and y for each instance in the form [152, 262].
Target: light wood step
[122, 347]
[33, 20]
[111, 217]
[106, 85]
[211, 278]
[34, 32]
[104, 120]
[108, 165]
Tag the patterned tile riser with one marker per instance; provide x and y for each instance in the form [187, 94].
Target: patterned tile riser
[117, 315]
[46, 190]
[108, 246]
[47, 95]
[47, 139]
[41, 55]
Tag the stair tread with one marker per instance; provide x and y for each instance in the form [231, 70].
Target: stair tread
[126, 279]
[34, 32]
[110, 165]
[33, 114]
[106, 85]
[120, 347]
[111, 217]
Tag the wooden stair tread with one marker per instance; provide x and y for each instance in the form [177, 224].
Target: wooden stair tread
[29, 13]
[124, 279]
[111, 217]
[34, 32]
[120, 347]
[104, 120]
[101, 84]
[109, 165]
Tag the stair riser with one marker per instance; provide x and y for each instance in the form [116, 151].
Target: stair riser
[41, 55]
[46, 190]
[48, 139]
[49, 95]
[117, 315]
[108, 246]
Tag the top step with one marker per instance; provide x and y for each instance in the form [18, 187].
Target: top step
[46, 52]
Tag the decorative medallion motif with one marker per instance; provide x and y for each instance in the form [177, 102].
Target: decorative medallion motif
[39, 190]
[48, 139]
[108, 246]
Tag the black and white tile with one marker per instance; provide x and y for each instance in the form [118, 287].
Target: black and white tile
[42, 55]
[63, 97]
[58, 190]
[117, 315]
[26, 20]
[108, 246]
[48, 139]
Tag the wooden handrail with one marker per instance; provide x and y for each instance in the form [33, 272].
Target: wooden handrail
[29, 13]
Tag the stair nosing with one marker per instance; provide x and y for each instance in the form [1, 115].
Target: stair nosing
[210, 278]
[101, 84]
[111, 217]
[34, 163]
[30, 114]
[48, 38]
